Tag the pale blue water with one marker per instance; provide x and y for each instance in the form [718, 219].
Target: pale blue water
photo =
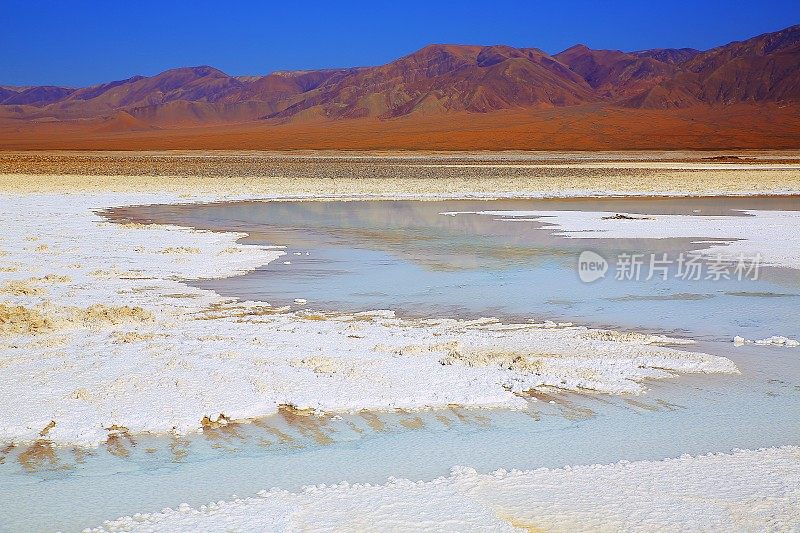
[405, 256]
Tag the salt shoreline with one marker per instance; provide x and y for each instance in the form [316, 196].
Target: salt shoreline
[750, 235]
[741, 491]
[159, 356]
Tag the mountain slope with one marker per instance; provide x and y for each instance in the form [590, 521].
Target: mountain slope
[38, 96]
[672, 56]
[765, 68]
[448, 78]
[614, 74]
[434, 81]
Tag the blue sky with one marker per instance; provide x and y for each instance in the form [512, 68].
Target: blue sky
[79, 43]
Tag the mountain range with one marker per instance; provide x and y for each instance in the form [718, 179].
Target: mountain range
[458, 84]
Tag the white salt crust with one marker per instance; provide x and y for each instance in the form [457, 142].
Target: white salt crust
[742, 491]
[775, 340]
[161, 356]
[772, 234]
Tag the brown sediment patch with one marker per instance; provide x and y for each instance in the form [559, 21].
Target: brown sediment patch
[364, 316]
[47, 428]
[531, 363]
[444, 420]
[462, 416]
[118, 441]
[413, 422]
[179, 250]
[312, 317]
[53, 278]
[520, 524]
[101, 314]
[179, 448]
[5, 451]
[373, 420]
[39, 456]
[221, 431]
[124, 274]
[626, 336]
[80, 455]
[308, 423]
[182, 295]
[221, 310]
[23, 320]
[208, 422]
[567, 409]
[81, 394]
[21, 288]
[8, 269]
[127, 337]
[282, 437]
[134, 225]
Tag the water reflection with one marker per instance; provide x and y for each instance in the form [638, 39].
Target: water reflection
[407, 256]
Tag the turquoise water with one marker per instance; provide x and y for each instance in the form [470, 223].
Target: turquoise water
[406, 256]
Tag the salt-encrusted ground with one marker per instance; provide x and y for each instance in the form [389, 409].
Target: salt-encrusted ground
[775, 340]
[97, 334]
[749, 235]
[743, 491]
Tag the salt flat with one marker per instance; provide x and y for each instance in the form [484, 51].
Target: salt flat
[99, 334]
[742, 491]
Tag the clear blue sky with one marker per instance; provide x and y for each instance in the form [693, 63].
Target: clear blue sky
[79, 43]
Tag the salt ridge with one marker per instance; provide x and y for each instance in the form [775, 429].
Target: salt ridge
[747, 490]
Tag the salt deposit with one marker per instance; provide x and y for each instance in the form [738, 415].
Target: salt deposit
[775, 340]
[114, 339]
[768, 234]
[743, 491]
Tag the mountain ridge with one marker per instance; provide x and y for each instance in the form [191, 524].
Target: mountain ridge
[439, 79]
[436, 83]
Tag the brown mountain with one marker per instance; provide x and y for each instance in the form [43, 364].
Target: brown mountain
[672, 56]
[765, 68]
[447, 78]
[762, 74]
[614, 74]
[36, 96]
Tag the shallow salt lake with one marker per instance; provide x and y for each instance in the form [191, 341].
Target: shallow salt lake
[407, 256]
